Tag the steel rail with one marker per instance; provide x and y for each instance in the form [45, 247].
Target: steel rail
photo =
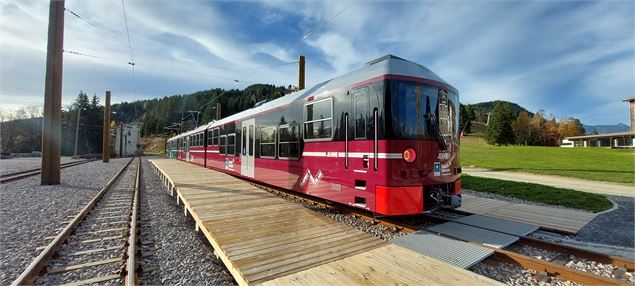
[131, 264]
[31, 272]
[33, 172]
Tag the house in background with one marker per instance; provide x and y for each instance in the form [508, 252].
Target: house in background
[127, 137]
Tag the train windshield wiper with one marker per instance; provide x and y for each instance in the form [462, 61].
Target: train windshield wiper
[434, 124]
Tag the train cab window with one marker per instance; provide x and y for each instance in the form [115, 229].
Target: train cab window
[223, 145]
[288, 142]
[216, 136]
[318, 120]
[360, 103]
[268, 142]
[231, 144]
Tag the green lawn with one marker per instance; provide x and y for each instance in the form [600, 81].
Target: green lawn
[599, 164]
[538, 193]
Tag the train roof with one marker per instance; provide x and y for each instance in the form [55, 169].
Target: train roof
[386, 65]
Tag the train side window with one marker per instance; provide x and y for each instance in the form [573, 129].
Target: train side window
[360, 103]
[318, 120]
[268, 142]
[231, 144]
[216, 135]
[209, 137]
[288, 142]
[244, 145]
[223, 145]
[251, 140]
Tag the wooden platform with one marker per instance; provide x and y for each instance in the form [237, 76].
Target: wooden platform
[387, 265]
[562, 220]
[262, 238]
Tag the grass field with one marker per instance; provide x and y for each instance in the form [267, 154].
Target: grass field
[538, 193]
[599, 164]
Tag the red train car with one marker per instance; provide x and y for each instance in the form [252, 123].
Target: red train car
[383, 138]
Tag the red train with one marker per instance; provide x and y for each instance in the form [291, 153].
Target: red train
[383, 138]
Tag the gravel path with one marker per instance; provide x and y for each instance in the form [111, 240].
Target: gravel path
[30, 212]
[603, 188]
[512, 274]
[180, 255]
[13, 165]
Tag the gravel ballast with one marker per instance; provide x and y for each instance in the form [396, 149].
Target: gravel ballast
[179, 255]
[8, 166]
[30, 212]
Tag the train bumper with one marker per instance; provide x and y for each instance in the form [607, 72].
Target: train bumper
[398, 200]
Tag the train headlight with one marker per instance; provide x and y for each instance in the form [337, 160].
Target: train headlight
[409, 155]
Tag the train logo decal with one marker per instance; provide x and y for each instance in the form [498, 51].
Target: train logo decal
[314, 180]
[229, 164]
[437, 168]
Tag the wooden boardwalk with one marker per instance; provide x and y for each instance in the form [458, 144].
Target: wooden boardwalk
[262, 238]
[562, 220]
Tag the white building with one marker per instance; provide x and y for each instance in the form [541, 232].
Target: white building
[131, 143]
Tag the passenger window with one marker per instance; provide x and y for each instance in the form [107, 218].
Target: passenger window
[209, 138]
[216, 136]
[244, 141]
[288, 142]
[318, 120]
[268, 142]
[360, 103]
[251, 140]
[223, 144]
[231, 144]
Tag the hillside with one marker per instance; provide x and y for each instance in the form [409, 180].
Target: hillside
[482, 108]
[157, 113]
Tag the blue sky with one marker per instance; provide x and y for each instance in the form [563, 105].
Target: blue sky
[569, 58]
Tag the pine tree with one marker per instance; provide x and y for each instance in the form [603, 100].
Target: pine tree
[499, 131]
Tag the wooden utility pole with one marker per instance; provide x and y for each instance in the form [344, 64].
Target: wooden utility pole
[52, 124]
[218, 113]
[105, 151]
[121, 140]
[301, 74]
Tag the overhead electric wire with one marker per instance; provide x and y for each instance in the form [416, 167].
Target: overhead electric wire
[320, 26]
[132, 63]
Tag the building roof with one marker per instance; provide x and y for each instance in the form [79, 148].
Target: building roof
[604, 135]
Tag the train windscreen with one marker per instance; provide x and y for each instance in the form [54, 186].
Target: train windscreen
[421, 111]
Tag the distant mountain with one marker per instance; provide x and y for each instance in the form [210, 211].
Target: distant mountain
[607, 128]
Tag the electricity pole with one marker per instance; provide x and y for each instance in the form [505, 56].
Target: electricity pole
[52, 125]
[301, 74]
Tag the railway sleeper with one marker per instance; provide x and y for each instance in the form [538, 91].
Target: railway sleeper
[83, 265]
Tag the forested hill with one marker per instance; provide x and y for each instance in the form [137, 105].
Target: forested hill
[160, 112]
[481, 109]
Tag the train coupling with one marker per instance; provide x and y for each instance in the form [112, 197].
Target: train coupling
[453, 201]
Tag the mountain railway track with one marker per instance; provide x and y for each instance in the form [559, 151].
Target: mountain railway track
[32, 172]
[99, 244]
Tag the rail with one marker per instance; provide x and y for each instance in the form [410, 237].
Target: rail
[29, 275]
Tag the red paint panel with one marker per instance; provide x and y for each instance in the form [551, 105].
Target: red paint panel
[398, 200]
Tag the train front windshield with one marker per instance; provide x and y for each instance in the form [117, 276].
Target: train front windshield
[421, 111]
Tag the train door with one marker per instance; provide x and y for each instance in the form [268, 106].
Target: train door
[359, 149]
[248, 144]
